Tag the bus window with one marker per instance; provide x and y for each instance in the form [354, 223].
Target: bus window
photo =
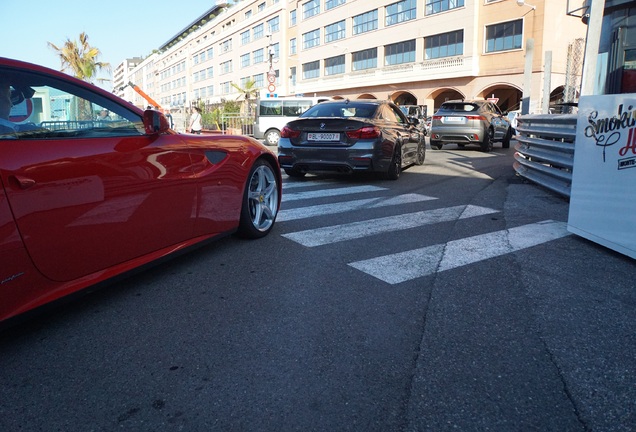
[270, 108]
[273, 114]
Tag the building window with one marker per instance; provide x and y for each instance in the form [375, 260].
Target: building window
[258, 56]
[248, 14]
[210, 72]
[245, 60]
[226, 46]
[398, 53]
[311, 39]
[258, 31]
[444, 45]
[261, 7]
[225, 87]
[330, 4]
[366, 59]
[292, 18]
[211, 90]
[292, 75]
[365, 22]
[210, 53]
[504, 36]
[335, 65]
[245, 37]
[273, 25]
[311, 69]
[311, 8]
[437, 6]
[244, 81]
[226, 67]
[292, 46]
[259, 80]
[404, 10]
[335, 31]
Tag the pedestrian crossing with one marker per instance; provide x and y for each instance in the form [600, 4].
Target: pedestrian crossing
[409, 264]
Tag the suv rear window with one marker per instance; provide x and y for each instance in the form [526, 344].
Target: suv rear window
[459, 106]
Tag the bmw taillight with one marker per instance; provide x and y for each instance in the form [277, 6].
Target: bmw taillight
[367, 132]
[288, 132]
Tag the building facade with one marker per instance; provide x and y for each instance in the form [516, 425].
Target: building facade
[410, 51]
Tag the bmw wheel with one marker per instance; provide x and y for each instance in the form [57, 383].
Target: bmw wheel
[260, 201]
[395, 167]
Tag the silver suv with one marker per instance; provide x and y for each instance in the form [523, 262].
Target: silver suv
[470, 122]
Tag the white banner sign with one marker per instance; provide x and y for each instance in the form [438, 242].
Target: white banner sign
[603, 198]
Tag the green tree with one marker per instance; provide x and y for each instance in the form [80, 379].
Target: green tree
[248, 93]
[80, 58]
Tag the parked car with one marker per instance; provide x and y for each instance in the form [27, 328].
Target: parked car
[84, 199]
[351, 136]
[416, 112]
[470, 122]
[512, 118]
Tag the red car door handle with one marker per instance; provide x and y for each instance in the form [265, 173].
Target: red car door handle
[24, 182]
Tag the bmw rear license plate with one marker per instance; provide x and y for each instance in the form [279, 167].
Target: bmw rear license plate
[323, 136]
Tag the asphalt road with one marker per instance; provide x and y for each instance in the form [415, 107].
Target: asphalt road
[451, 299]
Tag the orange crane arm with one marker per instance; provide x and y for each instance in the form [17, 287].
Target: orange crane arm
[143, 95]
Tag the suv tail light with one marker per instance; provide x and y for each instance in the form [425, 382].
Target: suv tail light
[367, 132]
[288, 132]
[475, 117]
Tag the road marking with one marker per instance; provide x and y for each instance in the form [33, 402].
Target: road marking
[404, 266]
[327, 209]
[337, 233]
[329, 192]
[309, 183]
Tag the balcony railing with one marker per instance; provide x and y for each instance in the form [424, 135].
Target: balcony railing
[442, 68]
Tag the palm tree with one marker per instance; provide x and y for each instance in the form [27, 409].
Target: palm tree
[248, 92]
[80, 58]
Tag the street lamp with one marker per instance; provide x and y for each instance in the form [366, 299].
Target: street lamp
[523, 3]
[271, 74]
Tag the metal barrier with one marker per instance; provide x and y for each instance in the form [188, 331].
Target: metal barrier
[237, 124]
[545, 150]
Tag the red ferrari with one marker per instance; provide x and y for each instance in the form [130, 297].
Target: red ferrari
[92, 187]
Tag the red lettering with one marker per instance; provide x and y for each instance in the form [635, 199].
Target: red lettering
[631, 144]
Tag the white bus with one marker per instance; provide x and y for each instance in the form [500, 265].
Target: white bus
[274, 113]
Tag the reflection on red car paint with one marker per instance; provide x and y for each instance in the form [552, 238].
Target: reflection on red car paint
[84, 199]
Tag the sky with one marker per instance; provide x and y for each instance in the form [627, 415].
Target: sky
[120, 29]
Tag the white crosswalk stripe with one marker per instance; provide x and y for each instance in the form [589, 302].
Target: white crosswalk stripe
[327, 209]
[337, 233]
[407, 265]
[404, 266]
[300, 184]
[294, 196]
